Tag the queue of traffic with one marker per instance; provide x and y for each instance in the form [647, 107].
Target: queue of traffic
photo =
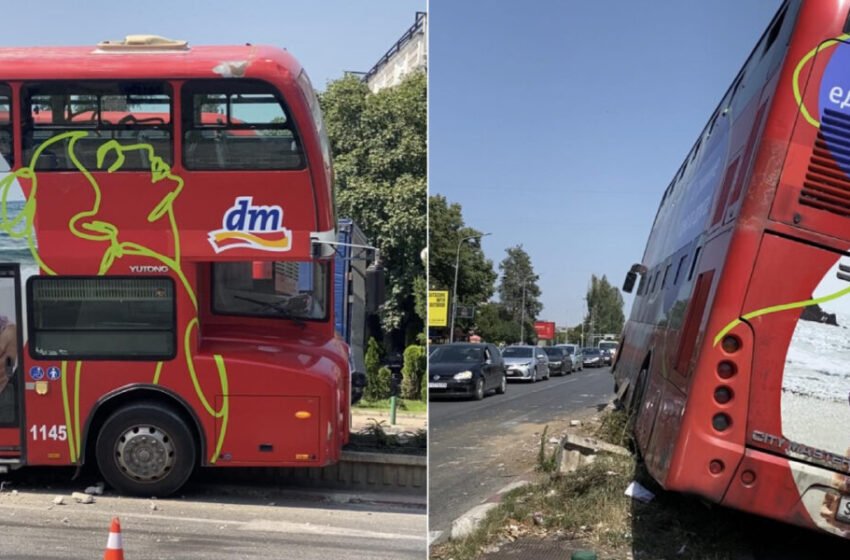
[472, 369]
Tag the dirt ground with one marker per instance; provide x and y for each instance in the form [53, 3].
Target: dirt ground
[405, 421]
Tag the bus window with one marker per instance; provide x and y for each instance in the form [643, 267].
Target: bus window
[132, 113]
[101, 317]
[6, 128]
[237, 125]
[293, 290]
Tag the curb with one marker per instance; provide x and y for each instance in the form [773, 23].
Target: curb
[469, 522]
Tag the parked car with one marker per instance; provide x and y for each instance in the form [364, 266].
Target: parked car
[576, 352]
[526, 362]
[593, 357]
[466, 369]
[560, 363]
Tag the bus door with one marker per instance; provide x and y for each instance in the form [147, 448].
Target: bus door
[11, 360]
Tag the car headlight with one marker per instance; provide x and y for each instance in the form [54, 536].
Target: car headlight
[462, 376]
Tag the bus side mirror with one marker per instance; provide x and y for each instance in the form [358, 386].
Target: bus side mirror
[375, 291]
[629, 284]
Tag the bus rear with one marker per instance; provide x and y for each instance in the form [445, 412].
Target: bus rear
[735, 358]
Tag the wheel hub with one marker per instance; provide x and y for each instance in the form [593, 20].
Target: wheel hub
[145, 453]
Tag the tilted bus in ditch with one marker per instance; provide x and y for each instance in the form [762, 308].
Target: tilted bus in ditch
[736, 357]
[168, 227]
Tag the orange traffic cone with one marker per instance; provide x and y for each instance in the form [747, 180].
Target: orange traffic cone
[114, 546]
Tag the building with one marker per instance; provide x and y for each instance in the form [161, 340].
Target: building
[408, 54]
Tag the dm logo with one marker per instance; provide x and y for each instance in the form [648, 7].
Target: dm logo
[246, 226]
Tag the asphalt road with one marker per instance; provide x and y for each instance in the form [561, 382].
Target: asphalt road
[236, 523]
[478, 447]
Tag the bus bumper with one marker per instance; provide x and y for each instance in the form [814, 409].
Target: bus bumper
[790, 491]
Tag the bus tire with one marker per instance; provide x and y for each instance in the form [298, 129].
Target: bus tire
[146, 449]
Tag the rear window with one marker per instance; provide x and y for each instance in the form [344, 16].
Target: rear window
[513, 352]
[237, 125]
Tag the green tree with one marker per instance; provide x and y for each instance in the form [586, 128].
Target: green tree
[518, 284]
[376, 387]
[604, 310]
[415, 363]
[447, 232]
[379, 146]
[495, 324]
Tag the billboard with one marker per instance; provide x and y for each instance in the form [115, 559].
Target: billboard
[545, 330]
[438, 308]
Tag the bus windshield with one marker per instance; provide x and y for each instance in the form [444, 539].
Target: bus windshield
[286, 289]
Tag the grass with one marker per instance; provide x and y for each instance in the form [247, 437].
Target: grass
[590, 508]
[403, 405]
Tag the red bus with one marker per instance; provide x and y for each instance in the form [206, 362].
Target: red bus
[166, 235]
[735, 358]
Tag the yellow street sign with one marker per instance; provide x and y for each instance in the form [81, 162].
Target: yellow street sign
[438, 308]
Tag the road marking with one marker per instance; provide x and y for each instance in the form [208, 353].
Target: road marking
[324, 530]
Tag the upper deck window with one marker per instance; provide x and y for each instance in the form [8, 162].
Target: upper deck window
[237, 125]
[6, 128]
[129, 112]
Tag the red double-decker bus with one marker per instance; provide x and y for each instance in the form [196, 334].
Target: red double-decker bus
[166, 235]
[736, 357]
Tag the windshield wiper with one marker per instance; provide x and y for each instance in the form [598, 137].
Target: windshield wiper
[276, 307]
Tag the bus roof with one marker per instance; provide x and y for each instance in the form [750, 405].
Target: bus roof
[29, 63]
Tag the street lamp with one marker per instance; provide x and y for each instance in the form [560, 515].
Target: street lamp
[454, 289]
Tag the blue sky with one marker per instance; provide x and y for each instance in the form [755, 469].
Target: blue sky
[557, 125]
[328, 37]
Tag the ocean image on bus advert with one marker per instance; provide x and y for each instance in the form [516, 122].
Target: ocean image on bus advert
[815, 404]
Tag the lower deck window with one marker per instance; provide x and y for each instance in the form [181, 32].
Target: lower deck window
[105, 318]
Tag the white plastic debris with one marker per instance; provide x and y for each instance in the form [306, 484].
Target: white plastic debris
[96, 490]
[83, 498]
[575, 423]
[636, 491]
[153, 506]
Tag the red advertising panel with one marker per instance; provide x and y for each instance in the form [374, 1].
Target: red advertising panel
[545, 330]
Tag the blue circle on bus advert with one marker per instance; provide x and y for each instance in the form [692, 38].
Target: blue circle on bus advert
[54, 373]
[834, 102]
[37, 373]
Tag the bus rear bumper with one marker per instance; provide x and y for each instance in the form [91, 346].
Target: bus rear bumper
[791, 491]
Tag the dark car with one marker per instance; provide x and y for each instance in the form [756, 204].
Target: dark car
[560, 362]
[465, 369]
[593, 358]
[607, 356]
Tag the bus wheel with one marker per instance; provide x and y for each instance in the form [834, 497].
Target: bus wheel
[145, 449]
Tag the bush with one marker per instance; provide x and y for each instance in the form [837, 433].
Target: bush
[413, 372]
[377, 384]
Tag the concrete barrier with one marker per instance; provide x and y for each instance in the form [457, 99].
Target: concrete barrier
[357, 471]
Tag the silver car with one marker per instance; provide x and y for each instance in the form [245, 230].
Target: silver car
[526, 362]
[576, 353]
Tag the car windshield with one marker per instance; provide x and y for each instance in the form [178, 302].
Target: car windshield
[455, 354]
[569, 350]
[591, 351]
[515, 352]
[553, 352]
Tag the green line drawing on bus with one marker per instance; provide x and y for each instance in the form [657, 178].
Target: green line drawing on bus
[799, 68]
[85, 225]
[814, 122]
